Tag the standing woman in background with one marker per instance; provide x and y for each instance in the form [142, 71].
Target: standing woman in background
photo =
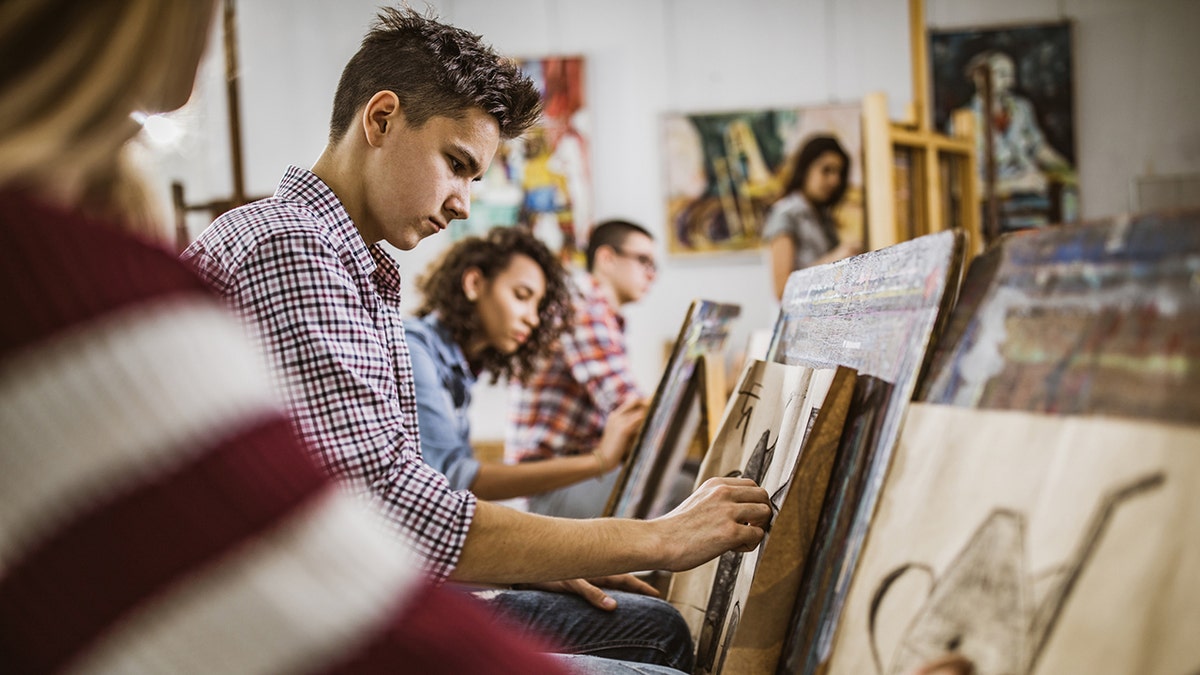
[496, 304]
[800, 226]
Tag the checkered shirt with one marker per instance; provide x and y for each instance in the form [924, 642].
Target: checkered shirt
[562, 409]
[327, 309]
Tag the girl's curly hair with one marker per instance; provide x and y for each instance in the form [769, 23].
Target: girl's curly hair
[442, 291]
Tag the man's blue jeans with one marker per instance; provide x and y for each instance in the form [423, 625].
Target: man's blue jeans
[640, 629]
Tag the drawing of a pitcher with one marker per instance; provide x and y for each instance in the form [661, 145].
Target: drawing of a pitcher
[982, 606]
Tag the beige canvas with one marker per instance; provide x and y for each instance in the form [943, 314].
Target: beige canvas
[720, 629]
[1032, 544]
[755, 645]
[768, 398]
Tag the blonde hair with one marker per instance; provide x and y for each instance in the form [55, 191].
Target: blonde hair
[125, 196]
[71, 73]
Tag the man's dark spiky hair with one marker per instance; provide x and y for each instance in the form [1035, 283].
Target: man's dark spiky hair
[436, 70]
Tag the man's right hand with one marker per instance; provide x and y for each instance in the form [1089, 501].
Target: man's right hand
[724, 514]
[505, 546]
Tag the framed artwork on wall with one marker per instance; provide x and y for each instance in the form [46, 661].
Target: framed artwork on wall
[542, 180]
[725, 169]
[1030, 114]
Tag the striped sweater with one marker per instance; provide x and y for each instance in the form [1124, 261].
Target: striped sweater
[157, 513]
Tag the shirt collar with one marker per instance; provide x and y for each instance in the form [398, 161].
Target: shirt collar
[448, 349]
[305, 187]
[597, 294]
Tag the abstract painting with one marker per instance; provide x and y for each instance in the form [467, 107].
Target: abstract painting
[1101, 318]
[542, 180]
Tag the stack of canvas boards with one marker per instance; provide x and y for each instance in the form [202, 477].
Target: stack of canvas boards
[1040, 512]
[876, 314]
[779, 429]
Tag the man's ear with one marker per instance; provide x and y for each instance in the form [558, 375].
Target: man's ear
[380, 115]
[472, 283]
[604, 256]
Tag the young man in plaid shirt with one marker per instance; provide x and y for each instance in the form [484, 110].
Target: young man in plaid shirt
[562, 409]
[418, 115]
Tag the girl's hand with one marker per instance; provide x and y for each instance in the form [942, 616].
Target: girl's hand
[619, 431]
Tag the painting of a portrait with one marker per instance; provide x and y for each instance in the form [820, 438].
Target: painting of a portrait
[1030, 114]
[724, 170]
[542, 180]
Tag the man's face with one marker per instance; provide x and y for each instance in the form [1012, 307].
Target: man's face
[634, 268]
[420, 178]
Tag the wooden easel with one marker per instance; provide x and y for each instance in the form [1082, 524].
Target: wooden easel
[917, 180]
[711, 385]
[216, 207]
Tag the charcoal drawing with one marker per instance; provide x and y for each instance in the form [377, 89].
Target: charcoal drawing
[981, 606]
[721, 597]
[768, 583]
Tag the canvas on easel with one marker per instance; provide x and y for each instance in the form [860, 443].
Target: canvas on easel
[1030, 543]
[1101, 318]
[642, 489]
[755, 643]
[766, 406]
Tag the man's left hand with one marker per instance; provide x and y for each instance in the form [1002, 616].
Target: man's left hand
[590, 589]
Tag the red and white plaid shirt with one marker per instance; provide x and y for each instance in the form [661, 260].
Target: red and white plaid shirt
[561, 411]
[327, 308]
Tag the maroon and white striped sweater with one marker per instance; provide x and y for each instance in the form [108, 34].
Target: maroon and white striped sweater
[157, 513]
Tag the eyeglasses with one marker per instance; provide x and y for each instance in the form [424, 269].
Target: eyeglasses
[644, 260]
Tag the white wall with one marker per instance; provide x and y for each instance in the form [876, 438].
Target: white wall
[1137, 102]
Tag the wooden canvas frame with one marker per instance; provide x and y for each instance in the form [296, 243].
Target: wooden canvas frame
[671, 422]
[941, 183]
[214, 208]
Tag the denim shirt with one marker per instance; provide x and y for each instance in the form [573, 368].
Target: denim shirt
[443, 381]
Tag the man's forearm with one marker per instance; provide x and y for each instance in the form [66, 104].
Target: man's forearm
[506, 546]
